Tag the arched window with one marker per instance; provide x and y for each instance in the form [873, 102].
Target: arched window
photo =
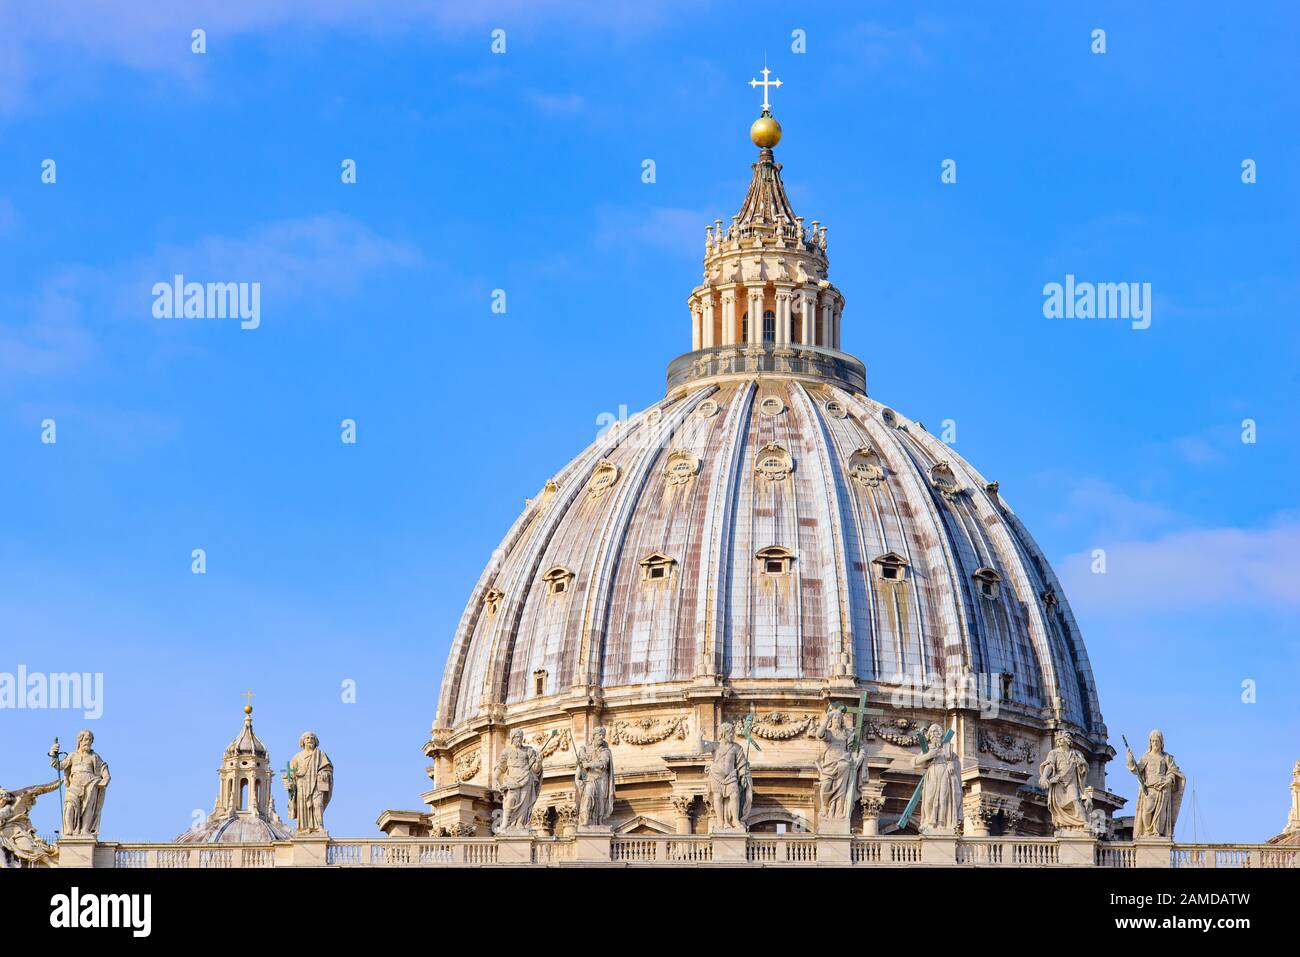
[243, 794]
[769, 326]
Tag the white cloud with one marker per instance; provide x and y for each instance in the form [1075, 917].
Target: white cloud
[664, 227]
[41, 43]
[294, 260]
[1217, 568]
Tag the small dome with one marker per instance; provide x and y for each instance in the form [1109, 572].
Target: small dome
[246, 742]
[237, 829]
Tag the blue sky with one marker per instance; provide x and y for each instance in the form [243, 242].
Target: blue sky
[522, 171]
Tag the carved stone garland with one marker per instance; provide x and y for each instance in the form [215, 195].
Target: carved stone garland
[643, 731]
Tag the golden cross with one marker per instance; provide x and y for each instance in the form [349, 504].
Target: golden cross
[248, 697]
[765, 83]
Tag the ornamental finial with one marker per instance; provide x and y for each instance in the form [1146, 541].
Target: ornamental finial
[766, 131]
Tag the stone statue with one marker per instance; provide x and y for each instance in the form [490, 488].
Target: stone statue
[86, 777]
[519, 777]
[19, 843]
[731, 789]
[1064, 776]
[1160, 789]
[593, 780]
[840, 772]
[309, 780]
[940, 784]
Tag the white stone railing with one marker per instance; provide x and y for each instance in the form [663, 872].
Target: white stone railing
[669, 849]
[1116, 855]
[777, 850]
[193, 855]
[886, 852]
[781, 849]
[1234, 855]
[1008, 851]
[413, 852]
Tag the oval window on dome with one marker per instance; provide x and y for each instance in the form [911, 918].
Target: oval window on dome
[603, 476]
[865, 467]
[708, 408]
[773, 462]
[889, 418]
[680, 467]
[771, 405]
[835, 409]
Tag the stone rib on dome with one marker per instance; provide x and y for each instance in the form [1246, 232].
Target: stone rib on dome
[718, 616]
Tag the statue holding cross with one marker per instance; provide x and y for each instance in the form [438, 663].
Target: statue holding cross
[940, 789]
[841, 768]
[731, 788]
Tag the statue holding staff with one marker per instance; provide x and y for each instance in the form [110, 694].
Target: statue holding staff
[86, 775]
[1160, 789]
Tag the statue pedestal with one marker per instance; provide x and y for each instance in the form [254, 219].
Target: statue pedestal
[592, 844]
[729, 845]
[311, 850]
[835, 849]
[1153, 852]
[1076, 849]
[939, 847]
[77, 851]
[514, 847]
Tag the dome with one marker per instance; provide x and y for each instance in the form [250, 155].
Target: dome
[244, 810]
[237, 829]
[764, 543]
[768, 529]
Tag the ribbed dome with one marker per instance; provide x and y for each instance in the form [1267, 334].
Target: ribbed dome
[238, 828]
[712, 485]
[764, 546]
[246, 742]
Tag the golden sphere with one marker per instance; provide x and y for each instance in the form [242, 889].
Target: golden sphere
[248, 709]
[766, 132]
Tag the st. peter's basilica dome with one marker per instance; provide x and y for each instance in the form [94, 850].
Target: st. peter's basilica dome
[765, 541]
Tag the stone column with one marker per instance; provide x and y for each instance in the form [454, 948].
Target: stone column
[808, 315]
[755, 296]
[872, 801]
[784, 294]
[682, 805]
[566, 815]
[730, 321]
[827, 307]
[707, 320]
[697, 332]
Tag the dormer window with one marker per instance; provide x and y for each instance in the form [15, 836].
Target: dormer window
[775, 560]
[557, 580]
[988, 582]
[891, 567]
[657, 567]
[539, 682]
